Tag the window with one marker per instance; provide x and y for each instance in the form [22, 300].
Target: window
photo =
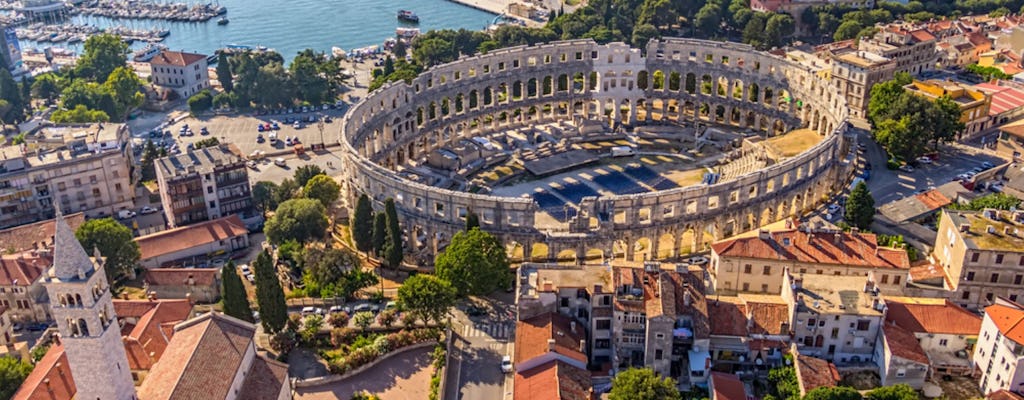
[988, 296]
[885, 279]
[943, 342]
[565, 302]
[213, 204]
[746, 287]
[812, 322]
[974, 257]
[747, 268]
[657, 354]
[767, 270]
[764, 288]
[602, 344]
[966, 295]
[604, 324]
[970, 276]
[994, 278]
[896, 280]
[1017, 279]
[999, 258]
[606, 300]
[863, 324]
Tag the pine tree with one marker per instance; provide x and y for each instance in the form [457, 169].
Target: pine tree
[233, 294]
[380, 232]
[224, 73]
[26, 93]
[269, 295]
[362, 224]
[860, 207]
[393, 243]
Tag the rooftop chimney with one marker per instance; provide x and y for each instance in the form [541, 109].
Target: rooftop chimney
[837, 238]
[990, 229]
[572, 326]
[583, 345]
[763, 234]
[551, 344]
[965, 228]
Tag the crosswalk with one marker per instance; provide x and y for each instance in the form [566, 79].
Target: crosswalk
[501, 330]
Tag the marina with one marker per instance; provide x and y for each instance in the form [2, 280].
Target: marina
[73, 33]
[121, 9]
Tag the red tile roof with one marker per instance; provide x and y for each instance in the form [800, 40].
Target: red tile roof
[1003, 394]
[50, 379]
[813, 373]
[266, 377]
[727, 387]
[176, 58]
[36, 235]
[201, 361]
[728, 318]
[902, 343]
[553, 380]
[932, 316]
[532, 337]
[926, 272]
[768, 318]
[922, 35]
[182, 276]
[20, 270]
[1008, 320]
[187, 237]
[860, 250]
[933, 200]
[1003, 98]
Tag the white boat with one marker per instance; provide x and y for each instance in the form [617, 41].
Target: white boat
[407, 33]
[147, 53]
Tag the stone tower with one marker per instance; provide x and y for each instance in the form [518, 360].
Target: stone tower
[80, 301]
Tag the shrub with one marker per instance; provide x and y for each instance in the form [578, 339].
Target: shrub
[338, 319]
[283, 342]
[387, 317]
[408, 319]
[343, 336]
[382, 345]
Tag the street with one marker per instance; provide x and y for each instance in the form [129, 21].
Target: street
[479, 344]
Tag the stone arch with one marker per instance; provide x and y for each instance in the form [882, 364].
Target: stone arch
[723, 86]
[658, 80]
[563, 83]
[690, 86]
[488, 96]
[720, 114]
[666, 246]
[642, 80]
[540, 252]
[706, 85]
[753, 92]
[674, 81]
[642, 248]
[579, 83]
[514, 251]
[737, 89]
[566, 256]
[459, 103]
[517, 90]
[620, 249]
[593, 255]
[548, 86]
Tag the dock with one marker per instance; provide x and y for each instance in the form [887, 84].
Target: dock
[500, 7]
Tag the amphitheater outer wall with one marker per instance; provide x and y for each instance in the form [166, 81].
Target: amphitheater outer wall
[521, 86]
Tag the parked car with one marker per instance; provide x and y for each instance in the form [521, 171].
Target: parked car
[906, 168]
[297, 125]
[328, 119]
[251, 164]
[125, 214]
[697, 260]
[244, 268]
[259, 138]
[279, 162]
[365, 307]
[475, 311]
[203, 131]
[312, 310]
[259, 128]
[337, 309]
[506, 364]
[924, 160]
[148, 210]
[833, 208]
[987, 165]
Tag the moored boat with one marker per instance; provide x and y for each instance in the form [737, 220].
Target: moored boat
[408, 16]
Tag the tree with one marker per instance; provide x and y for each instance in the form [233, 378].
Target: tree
[884, 95]
[286, 190]
[644, 33]
[847, 30]
[273, 86]
[393, 242]
[302, 220]
[999, 201]
[15, 110]
[224, 100]
[778, 27]
[833, 393]
[126, 88]
[12, 373]
[322, 188]
[643, 384]
[263, 196]
[782, 382]
[944, 116]
[475, 263]
[894, 392]
[387, 317]
[363, 319]
[101, 55]
[47, 87]
[472, 220]
[364, 395]
[115, 242]
[427, 297]
[310, 327]
[380, 232]
[79, 114]
[860, 207]
[310, 85]
[236, 302]
[200, 102]
[306, 172]
[269, 295]
[362, 224]
[334, 272]
[224, 72]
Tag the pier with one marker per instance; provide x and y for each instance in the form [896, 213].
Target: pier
[71, 33]
[150, 10]
[500, 7]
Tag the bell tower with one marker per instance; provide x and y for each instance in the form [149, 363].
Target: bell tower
[80, 302]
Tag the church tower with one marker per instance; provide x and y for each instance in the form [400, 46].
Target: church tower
[80, 301]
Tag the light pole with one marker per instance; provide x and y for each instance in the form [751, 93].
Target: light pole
[320, 126]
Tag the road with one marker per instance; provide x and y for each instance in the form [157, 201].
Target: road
[480, 343]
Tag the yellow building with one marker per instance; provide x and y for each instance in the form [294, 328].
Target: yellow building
[974, 104]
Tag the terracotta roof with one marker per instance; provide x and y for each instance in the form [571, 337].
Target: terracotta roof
[1008, 320]
[1003, 394]
[689, 287]
[926, 272]
[922, 35]
[187, 237]
[859, 249]
[1004, 98]
[933, 200]
[532, 337]
[133, 308]
[727, 317]
[727, 387]
[21, 271]
[553, 380]
[932, 316]
[768, 318]
[182, 276]
[36, 235]
[902, 343]
[50, 379]
[201, 361]
[176, 58]
[813, 373]
[265, 379]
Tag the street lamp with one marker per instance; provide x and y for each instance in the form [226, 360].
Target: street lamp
[320, 126]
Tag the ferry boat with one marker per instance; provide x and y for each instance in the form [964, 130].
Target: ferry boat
[147, 53]
[223, 21]
[408, 16]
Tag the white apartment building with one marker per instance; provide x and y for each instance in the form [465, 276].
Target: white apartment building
[184, 73]
[999, 355]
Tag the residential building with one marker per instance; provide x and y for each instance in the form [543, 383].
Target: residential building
[201, 285]
[1006, 61]
[35, 236]
[204, 184]
[1007, 103]
[194, 245]
[813, 373]
[81, 168]
[757, 263]
[9, 344]
[911, 50]
[749, 333]
[944, 331]
[974, 104]
[900, 358]
[836, 318]
[999, 356]
[723, 386]
[550, 360]
[982, 254]
[183, 73]
[855, 72]
[1010, 143]
[21, 289]
[662, 321]
[555, 380]
[1003, 394]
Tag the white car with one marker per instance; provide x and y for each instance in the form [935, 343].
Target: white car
[924, 160]
[833, 208]
[244, 268]
[125, 214]
[147, 210]
[279, 162]
[698, 260]
[506, 364]
[311, 310]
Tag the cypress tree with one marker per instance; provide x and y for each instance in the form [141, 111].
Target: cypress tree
[860, 207]
[224, 73]
[380, 232]
[362, 224]
[269, 295]
[393, 243]
[233, 294]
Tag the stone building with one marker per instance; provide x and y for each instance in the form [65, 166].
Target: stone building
[81, 168]
[183, 73]
[974, 104]
[981, 255]
[939, 330]
[757, 263]
[999, 356]
[912, 50]
[900, 358]
[201, 285]
[855, 72]
[21, 289]
[204, 184]
[836, 318]
[194, 245]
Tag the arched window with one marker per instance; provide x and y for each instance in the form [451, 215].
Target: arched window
[78, 300]
[83, 327]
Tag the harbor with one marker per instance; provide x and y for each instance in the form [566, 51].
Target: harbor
[73, 33]
[121, 9]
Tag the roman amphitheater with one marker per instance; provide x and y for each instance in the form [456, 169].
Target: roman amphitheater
[575, 150]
